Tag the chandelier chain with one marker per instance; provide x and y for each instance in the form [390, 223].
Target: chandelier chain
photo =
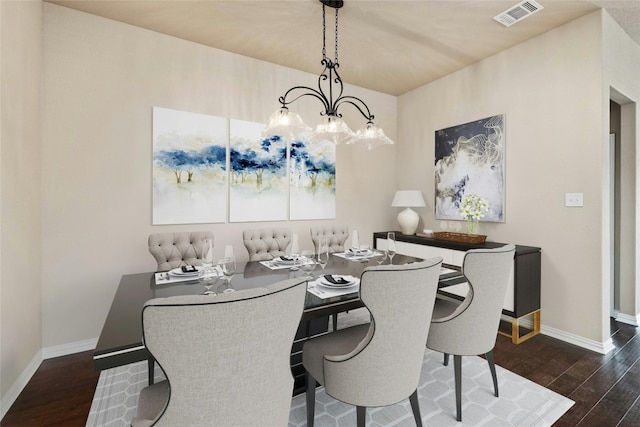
[336, 48]
[324, 37]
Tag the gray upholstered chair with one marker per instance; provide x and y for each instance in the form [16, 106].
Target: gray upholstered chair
[472, 327]
[378, 363]
[172, 250]
[336, 234]
[266, 243]
[220, 371]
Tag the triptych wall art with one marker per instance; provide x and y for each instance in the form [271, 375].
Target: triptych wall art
[469, 159]
[205, 167]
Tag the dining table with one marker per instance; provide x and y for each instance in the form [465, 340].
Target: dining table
[120, 341]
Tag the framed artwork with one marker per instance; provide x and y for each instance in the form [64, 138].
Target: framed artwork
[258, 174]
[189, 167]
[469, 159]
[312, 180]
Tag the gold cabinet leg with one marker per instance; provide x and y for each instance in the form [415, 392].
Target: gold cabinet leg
[515, 329]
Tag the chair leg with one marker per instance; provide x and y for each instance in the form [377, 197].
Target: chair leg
[415, 406]
[311, 398]
[457, 372]
[446, 359]
[151, 363]
[361, 416]
[334, 316]
[492, 368]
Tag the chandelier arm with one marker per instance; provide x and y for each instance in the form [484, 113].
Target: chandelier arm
[311, 92]
[358, 103]
[332, 78]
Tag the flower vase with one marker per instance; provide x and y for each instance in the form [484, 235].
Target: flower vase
[473, 226]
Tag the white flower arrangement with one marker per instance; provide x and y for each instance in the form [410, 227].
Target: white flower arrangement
[473, 207]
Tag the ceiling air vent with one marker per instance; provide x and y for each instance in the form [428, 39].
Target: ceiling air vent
[517, 13]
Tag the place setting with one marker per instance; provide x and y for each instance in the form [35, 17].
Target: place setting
[179, 274]
[332, 285]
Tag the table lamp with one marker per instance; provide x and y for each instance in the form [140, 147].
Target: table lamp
[408, 218]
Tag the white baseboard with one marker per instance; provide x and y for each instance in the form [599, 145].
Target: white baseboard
[69, 348]
[627, 318]
[14, 391]
[598, 347]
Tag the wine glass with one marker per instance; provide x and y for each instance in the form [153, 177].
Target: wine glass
[207, 253]
[391, 245]
[323, 252]
[208, 277]
[308, 261]
[227, 266]
[381, 256]
[294, 253]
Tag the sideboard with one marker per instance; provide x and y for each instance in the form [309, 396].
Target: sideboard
[523, 294]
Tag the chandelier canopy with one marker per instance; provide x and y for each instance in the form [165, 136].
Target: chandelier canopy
[288, 124]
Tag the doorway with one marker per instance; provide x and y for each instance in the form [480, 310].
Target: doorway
[624, 291]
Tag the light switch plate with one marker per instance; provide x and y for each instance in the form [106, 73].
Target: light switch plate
[574, 200]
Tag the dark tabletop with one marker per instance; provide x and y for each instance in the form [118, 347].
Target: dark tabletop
[120, 342]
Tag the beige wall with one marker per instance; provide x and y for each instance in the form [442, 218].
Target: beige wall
[92, 213]
[101, 80]
[550, 91]
[20, 256]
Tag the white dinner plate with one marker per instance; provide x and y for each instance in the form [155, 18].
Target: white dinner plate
[351, 282]
[178, 272]
[280, 261]
[353, 286]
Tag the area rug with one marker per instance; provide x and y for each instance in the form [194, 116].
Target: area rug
[521, 402]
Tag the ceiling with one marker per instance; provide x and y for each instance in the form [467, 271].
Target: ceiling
[391, 46]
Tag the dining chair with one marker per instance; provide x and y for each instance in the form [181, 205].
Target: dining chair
[470, 328]
[172, 250]
[377, 363]
[226, 357]
[266, 243]
[336, 235]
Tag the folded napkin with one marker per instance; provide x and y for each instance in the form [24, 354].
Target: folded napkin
[357, 252]
[335, 280]
[287, 258]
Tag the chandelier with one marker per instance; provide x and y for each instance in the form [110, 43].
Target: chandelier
[288, 124]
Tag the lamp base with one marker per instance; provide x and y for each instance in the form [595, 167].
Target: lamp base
[408, 221]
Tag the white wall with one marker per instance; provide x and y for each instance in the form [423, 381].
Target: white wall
[101, 80]
[550, 90]
[20, 278]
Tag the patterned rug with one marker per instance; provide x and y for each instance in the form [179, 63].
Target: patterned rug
[521, 402]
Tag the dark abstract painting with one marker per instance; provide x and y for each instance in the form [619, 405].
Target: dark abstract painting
[469, 159]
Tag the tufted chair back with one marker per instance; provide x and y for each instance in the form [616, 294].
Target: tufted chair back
[266, 243]
[172, 250]
[337, 235]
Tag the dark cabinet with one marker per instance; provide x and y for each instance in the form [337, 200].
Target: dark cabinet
[523, 294]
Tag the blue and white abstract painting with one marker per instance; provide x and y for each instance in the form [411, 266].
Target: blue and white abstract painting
[469, 159]
[312, 180]
[258, 174]
[189, 167]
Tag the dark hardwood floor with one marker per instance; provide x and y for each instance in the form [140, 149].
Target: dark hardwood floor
[606, 388]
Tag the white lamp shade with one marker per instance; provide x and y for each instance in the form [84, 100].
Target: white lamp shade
[370, 137]
[333, 129]
[285, 123]
[408, 199]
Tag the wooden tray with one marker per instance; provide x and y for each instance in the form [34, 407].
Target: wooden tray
[459, 237]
